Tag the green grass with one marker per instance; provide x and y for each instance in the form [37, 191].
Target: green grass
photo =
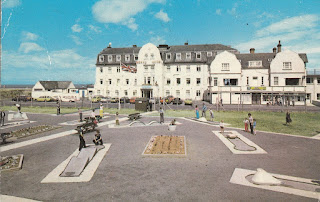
[43, 110]
[304, 124]
[122, 111]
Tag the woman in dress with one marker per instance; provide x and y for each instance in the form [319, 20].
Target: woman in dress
[197, 112]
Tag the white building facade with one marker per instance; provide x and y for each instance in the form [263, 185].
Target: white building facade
[211, 72]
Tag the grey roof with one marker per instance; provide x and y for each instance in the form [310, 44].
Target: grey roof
[50, 85]
[303, 56]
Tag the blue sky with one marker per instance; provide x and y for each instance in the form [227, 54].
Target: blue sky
[60, 40]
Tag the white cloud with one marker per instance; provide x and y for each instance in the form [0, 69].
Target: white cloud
[76, 28]
[96, 29]
[131, 23]
[115, 11]
[218, 11]
[76, 39]
[28, 36]
[156, 40]
[10, 3]
[233, 10]
[29, 47]
[290, 25]
[162, 16]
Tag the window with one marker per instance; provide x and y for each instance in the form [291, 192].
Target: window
[146, 56]
[318, 96]
[127, 81]
[276, 81]
[178, 81]
[318, 80]
[257, 63]
[152, 56]
[134, 93]
[188, 68]
[188, 93]
[152, 68]
[308, 96]
[98, 92]
[198, 81]
[269, 59]
[101, 58]
[261, 80]
[178, 93]
[198, 93]
[117, 92]
[146, 68]
[109, 58]
[178, 69]
[287, 65]
[101, 69]
[188, 81]
[101, 81]
[149, 80]
[168, 68]
[198, 69]
[255, 78]
[247, 80]
[127, 58]
[168, 56]
[168, 81]
[230, 82]
[167, 92]
[209, 54]
[118, 81]
[188, 56]
[215, 81]
[178, 56]
[225, 67]
[292, 81]
[118, 58]
[110, 81]
[135, 57]
[198, 55]
[118, 69]
[109, 69]
[309, 80]
[126, 92]
[135, 82]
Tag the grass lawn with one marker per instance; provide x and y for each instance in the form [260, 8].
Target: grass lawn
[122, 111]
[304, 124]
[43, 110]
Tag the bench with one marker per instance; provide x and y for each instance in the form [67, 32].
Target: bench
[134, 116]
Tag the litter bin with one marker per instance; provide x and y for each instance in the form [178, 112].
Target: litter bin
[141, 104]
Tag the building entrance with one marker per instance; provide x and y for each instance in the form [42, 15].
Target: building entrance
[256, 98]
[147, 93]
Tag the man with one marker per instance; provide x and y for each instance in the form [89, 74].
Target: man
[18, 107]
[80, 114]
[58, 107]
[161, 115]
[82, 142]
[204, 109]
[251, 122]
[2, 117]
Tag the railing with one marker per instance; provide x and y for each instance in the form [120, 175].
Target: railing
[313, 72]
[260, 89]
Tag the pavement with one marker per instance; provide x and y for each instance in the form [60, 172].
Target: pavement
[125, 175]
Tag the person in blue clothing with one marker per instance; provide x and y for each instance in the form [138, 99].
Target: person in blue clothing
[204, 109]
[254, 127]
[197, 112]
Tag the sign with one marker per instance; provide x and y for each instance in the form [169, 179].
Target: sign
[146, 87]
[256, 88]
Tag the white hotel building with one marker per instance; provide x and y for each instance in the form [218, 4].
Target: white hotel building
[202, 72]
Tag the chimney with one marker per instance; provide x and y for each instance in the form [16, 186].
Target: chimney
[252, 50]
[279, 47]
[186, 43]
[274, 50]
[109, 46]
[134, 46]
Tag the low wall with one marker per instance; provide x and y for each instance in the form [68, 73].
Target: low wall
[316, 103]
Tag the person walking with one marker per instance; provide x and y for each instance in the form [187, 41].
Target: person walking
[211, 115]
[2, 117]
[221, 126]
[251, 122]
[101, 111]
[197, 112]
[288, 118]
[80, 114]
[82, 142]
[204, 109]
[161, 115]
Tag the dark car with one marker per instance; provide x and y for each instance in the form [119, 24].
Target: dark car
[177, 101]
[124, 100]
[23, 98]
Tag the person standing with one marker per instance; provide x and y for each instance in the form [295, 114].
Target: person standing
[221, 126]
[80, 114]
[101, 111]
[221, 102]
[161, 115]
[204, 109]
[211, 115]
[254, 127]
[251, 122]
[117, 119]
[58, 107]
[197, 112]
[246, 123]
[82, 142]
[2, 117]
[288, 118]
[18, 107]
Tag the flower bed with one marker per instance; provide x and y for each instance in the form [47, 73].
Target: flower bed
[32, 130]
[11, 162]
[173, 145]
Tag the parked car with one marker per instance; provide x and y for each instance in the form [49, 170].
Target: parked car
[124, 100]
[23, 98]
[188, 101]
[114, 100]
[44, 99]
[96, 99]
[169, 99]
[132, 100]
[68, 98]
[105, 99]
[177, 101]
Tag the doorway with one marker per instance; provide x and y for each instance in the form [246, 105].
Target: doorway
[256, 98]
[147, 93]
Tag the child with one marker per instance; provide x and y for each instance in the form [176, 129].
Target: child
[222, 126]
[211, 115]
[246, 123]
[117, 119]
[254, 127]
[97, 138]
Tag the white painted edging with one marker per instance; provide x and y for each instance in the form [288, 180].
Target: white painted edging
[258, 150]
[6, 198]
[85, 176]
[239, 174]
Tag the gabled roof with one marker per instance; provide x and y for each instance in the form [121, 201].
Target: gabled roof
[50, 85]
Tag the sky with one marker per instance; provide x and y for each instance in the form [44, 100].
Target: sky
[60, 40]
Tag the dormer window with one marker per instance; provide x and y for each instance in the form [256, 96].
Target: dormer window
[109, 58]
[168, 56]
[178, 56]
[118, 58]
[270, 59]
[135, 57]
[209, 54]
[257, 63]
[198, 55]
[287, 65]
[101, 58]
[225, 67]
[127, 58]
[188, 56]
[101, 69]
